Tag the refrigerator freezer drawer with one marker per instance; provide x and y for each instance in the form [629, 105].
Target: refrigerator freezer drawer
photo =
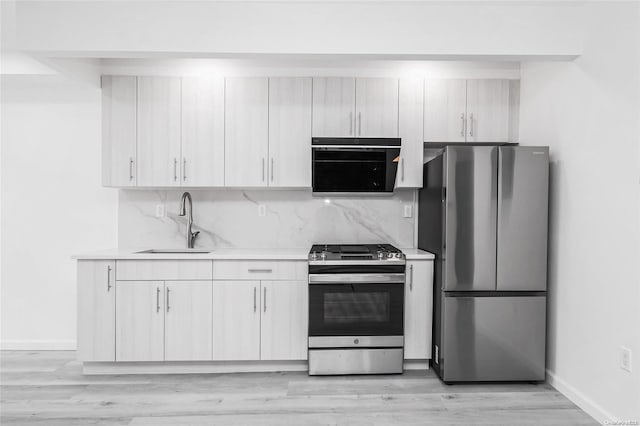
[493, 338]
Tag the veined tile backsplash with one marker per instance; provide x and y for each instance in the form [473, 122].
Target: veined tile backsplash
[294, 219]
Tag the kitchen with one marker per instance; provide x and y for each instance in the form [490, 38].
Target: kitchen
[128, 128]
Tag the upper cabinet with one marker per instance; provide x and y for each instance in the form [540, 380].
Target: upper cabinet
[202, 131]
[290, 132]
[119, 131]
[377, 107]
[333, 106]
[362, 107]
[246, 131]
[410, 131]
[159, 131]
[470, 110]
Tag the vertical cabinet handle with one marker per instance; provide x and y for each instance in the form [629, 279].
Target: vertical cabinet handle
[402, 169]
[411, 277]
[271, 169]
[462, 124]
[264, 302]
[109, 278]
[130, 168]
[184, 169]
[255, 304]
[359, 124]
[175, 169]
[167, 299]
[351, 126]
[471, 124]
[157, 299]
[263, 169]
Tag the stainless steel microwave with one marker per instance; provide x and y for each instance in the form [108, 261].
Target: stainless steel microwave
[354, 165]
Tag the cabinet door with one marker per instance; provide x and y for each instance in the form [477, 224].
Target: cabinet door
[139, 321]
[290, 132]
[202, 131]
[187, 332]
[410, 117]
[158, 131]
[118, 131]
[445, 110]
[487, 110]
[333, 106]
[418, 309]
[96, 310]
[236, 320]
[246, 131]
[284, 328]
[377, 107]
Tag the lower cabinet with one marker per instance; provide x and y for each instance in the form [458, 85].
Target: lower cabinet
[187, 320]
[260, 320]
[140, 321]
[417, 309]
[285, 316]
[163, 321]
[236, 320]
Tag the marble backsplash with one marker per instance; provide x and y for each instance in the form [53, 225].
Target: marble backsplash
[294, 219]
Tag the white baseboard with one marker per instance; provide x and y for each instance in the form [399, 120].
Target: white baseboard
[38, 345]
[581, 400]
[192, 367]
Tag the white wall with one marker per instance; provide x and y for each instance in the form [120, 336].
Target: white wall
[588, 111]
[52, 205]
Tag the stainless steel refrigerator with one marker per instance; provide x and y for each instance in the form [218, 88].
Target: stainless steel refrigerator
[483, 213]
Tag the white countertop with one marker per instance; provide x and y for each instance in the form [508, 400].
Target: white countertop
[223, 254]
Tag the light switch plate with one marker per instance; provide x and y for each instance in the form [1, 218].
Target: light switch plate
[262, 210]
[626, 361]
[407, 211]
[160, 211]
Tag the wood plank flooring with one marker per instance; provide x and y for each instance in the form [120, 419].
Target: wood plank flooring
[48, 388]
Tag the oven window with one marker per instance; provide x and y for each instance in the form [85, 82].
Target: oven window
[356, 309]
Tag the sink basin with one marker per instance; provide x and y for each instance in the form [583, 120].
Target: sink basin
[174, 251]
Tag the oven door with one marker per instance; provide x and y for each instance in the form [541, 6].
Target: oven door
[356, 305]
[354, 169]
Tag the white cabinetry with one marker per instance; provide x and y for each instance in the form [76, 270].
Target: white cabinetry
[290, 132]
[364, 107]
[202, 131]
[284, 320]
[236, 320]
[119, 131]
[418, 309]
[96, 310]
[139, 321]
[188, 327]
[246, 131]
[159, 131]
[470, 110]
[410, 115]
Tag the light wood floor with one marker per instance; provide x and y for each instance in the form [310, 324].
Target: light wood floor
[47, 388]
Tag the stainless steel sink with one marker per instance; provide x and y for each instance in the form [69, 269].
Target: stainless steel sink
[176, 251]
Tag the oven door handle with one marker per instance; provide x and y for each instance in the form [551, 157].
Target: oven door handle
[356, 278]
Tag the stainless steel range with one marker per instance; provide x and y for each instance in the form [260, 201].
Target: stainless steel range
[356, 309]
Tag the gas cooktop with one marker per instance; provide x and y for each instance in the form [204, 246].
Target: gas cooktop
[353, 252]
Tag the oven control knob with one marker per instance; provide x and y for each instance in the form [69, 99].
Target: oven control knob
[323, 255]
[380, 255]
[398, 255]
[314, 255]
[356, 341]
[389, 255]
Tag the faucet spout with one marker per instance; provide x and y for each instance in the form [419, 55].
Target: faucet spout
[184, 200]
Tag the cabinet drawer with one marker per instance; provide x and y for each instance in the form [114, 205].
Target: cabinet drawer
[259, 270]
[148, 270]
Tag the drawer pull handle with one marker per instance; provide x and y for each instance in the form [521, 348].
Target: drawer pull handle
[266, 271]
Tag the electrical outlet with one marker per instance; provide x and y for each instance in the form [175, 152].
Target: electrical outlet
[262, 210]
[160, 210]
[625, 358]
[407, 211]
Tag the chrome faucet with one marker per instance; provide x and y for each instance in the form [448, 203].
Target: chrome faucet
[191, 236]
